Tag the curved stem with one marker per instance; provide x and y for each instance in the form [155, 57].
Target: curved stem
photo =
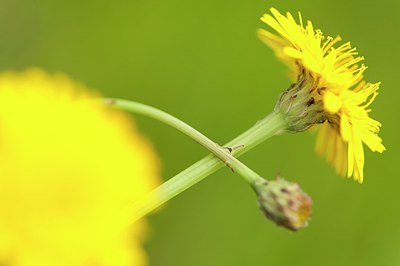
[224, 154]
[269, 126]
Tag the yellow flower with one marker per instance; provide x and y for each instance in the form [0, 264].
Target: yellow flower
[334, 80]
[69, 173]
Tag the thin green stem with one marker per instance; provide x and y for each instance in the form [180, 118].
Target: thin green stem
[269, 126]
[224, 154]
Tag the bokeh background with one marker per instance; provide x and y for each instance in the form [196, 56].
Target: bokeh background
[201, 61]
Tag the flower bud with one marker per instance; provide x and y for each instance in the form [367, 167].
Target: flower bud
[284, 203]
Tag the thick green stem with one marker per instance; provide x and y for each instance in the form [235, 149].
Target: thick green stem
[269, 126]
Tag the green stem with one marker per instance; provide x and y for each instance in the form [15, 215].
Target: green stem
[222, 153]
[269, 126]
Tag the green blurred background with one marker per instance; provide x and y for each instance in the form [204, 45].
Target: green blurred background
[201, 61]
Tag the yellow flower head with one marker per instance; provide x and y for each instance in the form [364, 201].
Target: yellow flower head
[69, 173]
[334, 83]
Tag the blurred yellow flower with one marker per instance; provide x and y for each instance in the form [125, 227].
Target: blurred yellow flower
[69, 173]
[333, 78]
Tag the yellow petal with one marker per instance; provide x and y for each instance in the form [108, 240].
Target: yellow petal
[332, 102]
[290, 51]
[345, 128]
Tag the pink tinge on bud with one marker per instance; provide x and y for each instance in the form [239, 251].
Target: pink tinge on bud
[284, 203]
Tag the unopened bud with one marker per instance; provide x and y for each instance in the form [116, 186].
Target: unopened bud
[284, 203]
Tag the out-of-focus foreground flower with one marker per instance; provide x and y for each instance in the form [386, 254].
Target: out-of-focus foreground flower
[330, 83]
[69, 173]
